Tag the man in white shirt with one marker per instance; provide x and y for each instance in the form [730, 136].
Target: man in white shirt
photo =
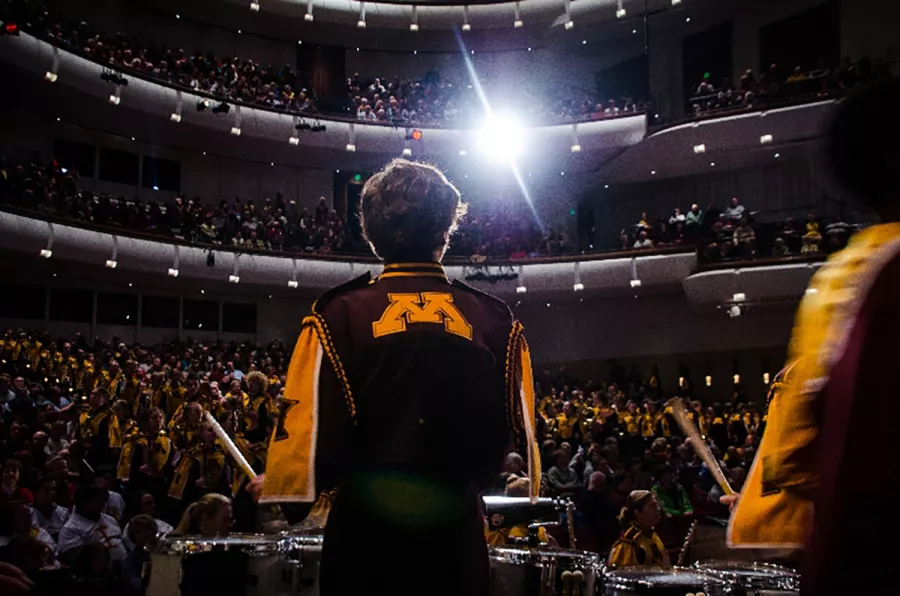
[643, 241]
[45, 513]
[735, 211]
[88, 523]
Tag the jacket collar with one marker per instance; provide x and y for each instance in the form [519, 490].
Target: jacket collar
[423, 269]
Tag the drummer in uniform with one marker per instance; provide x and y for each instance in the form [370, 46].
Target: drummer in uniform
[382, 387]
[639, 544]
[823, 475]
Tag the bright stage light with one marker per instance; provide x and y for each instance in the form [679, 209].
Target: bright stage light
[502, 136]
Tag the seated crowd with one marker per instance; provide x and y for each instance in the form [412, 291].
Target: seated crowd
[399, 101]
[732, 233]
[773, 84]
[601, 441]
[104, 446]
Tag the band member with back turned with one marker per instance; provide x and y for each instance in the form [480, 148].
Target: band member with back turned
[827, 467]
[405, 392]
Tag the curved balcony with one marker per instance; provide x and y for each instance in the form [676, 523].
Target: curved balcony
[595, 276]
[598, 141]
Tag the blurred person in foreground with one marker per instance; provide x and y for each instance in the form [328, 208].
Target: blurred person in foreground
[383, 382]
[828, 445]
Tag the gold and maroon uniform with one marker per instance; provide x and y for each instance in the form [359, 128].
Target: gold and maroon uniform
[404, 392]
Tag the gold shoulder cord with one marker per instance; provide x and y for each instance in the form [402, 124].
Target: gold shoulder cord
[317, 321]
[515, 335]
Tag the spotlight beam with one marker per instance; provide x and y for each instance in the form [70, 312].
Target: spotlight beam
[476, 85]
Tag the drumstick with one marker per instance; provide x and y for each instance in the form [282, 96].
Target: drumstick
[229, 445]
[700, 446]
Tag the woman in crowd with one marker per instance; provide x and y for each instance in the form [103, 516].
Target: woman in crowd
[210, 515]
[639, 545]
[219, 572]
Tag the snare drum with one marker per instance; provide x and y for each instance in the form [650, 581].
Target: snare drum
[544, 571]
[754, 578]
[658, 581]
[303, 552]
[252, 564]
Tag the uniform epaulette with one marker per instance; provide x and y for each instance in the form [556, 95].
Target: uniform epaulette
[354, 284]
[484, 295]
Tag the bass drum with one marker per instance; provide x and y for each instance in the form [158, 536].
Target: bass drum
[234, 565]
[303, 552]
[754, 578]
[544, 572]
[674, 581]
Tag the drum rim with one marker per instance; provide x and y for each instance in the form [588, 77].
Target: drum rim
[255, 544]
[612, 578]
[770, 566]
[588, 556]
[782, 578]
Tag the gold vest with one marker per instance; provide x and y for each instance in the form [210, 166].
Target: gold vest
[776, 508]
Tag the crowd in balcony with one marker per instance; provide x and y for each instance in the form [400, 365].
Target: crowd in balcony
[775, 84]
[486, 233]
[271, 224]
[398, 100]
[733, 233]
[449, 99]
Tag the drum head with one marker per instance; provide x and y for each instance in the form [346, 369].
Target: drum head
[663, 581]
[753, 576]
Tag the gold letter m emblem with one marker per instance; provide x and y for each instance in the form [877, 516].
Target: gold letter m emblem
[427, 307]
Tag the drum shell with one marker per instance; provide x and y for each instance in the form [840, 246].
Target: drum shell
[264, 555]
[303, 552]
[660, 581]
[538, 571]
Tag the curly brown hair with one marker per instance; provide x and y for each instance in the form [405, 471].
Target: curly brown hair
[408, 211]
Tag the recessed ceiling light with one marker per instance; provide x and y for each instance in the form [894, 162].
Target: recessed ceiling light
[687, 20]
[712, 164]
[583, 42]
[633, 31]
[606, 186]
[777, 155]
[653, 172]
